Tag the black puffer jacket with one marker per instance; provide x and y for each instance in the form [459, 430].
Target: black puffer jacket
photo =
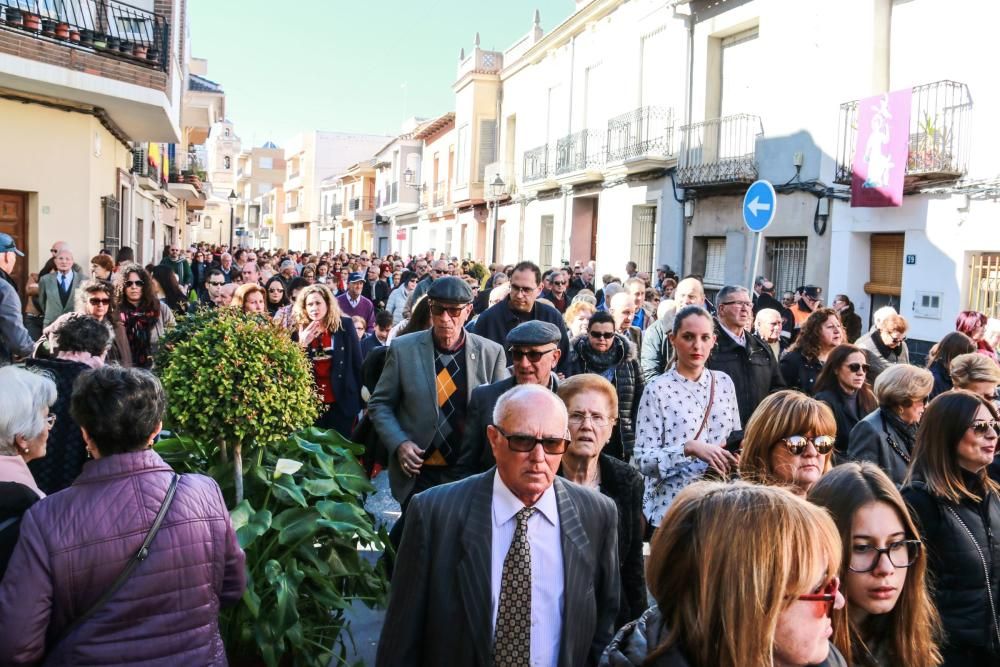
[626, 376]
[799, 371]
[753, 369]
[961, 592]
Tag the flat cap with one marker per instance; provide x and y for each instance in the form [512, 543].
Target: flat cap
[356, 277]
[450, 289]
[534, 332]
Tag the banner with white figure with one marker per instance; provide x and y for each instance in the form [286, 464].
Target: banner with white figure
[881, 152]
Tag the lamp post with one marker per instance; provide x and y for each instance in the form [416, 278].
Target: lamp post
[496, 191]
[232, 214]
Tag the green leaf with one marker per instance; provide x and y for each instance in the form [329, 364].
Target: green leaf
[296, 524]
[251, 599]
[285, 487]
[321, 487]
[353, 478]
[249, 525]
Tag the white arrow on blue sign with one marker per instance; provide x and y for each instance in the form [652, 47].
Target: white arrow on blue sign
[759, 205]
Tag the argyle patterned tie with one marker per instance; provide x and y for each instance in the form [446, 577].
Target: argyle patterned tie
[512, 641]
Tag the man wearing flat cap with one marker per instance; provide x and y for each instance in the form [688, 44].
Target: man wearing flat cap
[534, 347]
[420, 403]
[352, 302]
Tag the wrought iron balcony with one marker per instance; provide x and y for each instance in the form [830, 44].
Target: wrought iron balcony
[362, 208]
[645, 132]
[580, 151]
[336, 209]
[718, 152]
[536, 164]
[109, 28]
[939, 136]
[440, 190]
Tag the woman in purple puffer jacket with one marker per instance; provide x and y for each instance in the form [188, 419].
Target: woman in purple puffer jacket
[75, 543]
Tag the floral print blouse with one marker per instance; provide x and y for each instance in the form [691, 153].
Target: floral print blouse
[670, 413]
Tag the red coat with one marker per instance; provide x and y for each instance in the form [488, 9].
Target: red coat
[73, 545]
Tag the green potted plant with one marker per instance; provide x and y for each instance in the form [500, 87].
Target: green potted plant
[12, 16]
[240, 399]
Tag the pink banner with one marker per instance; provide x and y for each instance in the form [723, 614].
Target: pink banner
[880, 155]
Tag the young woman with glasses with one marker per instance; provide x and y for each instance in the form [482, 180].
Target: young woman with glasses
[958, 512]
[788, 442]
[615, 358]
[686, 417]
[143, 317]
[842, 386]
[886, 436]
[889, 618]
[743, 576]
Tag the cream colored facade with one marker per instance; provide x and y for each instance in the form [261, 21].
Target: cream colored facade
[348, 203]
[436, 227]
[258, 170]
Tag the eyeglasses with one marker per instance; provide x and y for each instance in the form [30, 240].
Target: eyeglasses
[523, 443]
[828, 595]
[606, 335]
[534, 356]
[578, 418]
[134, 283]
[454, 311]
[857, 367]
[982, 426]
[865, 557]
[96, 301]
[558, 282]
[214, 283]
[522, 290]
[745, 305]
[51, 420]
[796, 444]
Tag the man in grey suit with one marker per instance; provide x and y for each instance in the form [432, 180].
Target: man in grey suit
[511, 567]
[57, 290]
[419, 405]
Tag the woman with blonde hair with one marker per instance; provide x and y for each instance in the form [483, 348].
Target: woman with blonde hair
[788, 442]
[743, 576]
[956, 506]
[886, 436]
[576, 317]
[889, 619]
[977, 373]
[250, 298]
[329, 340]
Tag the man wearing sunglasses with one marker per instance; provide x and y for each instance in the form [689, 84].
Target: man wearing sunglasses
[437, 270]
[535, 349]
[419, 405]
[514, 566]
[213, 295]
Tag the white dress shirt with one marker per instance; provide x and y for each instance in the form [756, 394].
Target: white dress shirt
[545, 540]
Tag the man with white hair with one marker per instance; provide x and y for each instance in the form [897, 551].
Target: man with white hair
[57, 290]
[622, 309]
[656, 352]
[767, 326]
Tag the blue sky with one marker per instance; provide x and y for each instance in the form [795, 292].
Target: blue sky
[341, 64]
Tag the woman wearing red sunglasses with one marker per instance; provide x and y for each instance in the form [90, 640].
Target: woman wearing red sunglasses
[889, 618]
[956, 505]
[743, 576]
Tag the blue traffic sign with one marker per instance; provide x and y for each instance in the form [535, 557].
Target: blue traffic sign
[759, 204]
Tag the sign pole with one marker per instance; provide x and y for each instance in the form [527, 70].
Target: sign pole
[756, 261]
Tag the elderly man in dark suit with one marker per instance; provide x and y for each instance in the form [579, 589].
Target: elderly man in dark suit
[511, 567]
[419, 405]
[534, 347]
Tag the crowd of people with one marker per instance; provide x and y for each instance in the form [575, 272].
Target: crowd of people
[807, 494]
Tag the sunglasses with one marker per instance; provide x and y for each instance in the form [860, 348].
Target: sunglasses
[134, 283]
[95, 301]
[796, 444]
[827, 595]
[856, 367]
[454, 311]
[216, 284]
[558, 282]
[522, 290]
[982, 426]
[606, 335]
[865, 557]
[525, 443]
[273, 290]
[534, 356]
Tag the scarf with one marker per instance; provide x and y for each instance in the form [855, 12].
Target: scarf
[907, 432]
[138, 326]
[602, 362]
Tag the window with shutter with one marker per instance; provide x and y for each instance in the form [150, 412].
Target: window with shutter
[786, 263]
[886, 272]
[487, 147]
[643, 237]
[715, 262]
[545, 244]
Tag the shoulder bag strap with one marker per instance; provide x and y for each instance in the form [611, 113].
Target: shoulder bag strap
[137, 558]
[708, 408]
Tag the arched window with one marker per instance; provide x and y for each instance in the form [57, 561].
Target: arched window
[207, 221]
[227, 162]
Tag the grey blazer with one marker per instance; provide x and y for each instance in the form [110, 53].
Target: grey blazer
[440, 607]
[869, 443]
[48, 296]
[404, 403]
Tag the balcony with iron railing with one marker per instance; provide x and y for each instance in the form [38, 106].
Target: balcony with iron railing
[535, 165]
[361, 208]
[719, 152]
[580, 156]
[108, 28]
[940, 132]
[440, 193]
[642, 135]
[336, 209]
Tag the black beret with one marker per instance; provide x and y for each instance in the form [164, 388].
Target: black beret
[534, 332]
[450, 289]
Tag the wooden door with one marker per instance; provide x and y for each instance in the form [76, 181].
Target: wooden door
[14, 221]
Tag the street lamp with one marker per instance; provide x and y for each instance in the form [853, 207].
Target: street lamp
[496, 192]
[232, 212]
[408, 180]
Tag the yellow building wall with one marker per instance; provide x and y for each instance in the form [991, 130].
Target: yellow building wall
[65, 162]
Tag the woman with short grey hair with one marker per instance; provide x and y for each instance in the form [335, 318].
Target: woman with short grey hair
[25, 398]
